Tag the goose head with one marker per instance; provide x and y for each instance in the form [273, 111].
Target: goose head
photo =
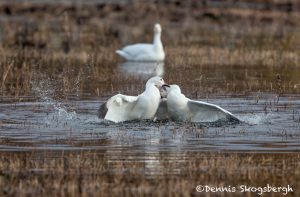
[156, 81]
[166, 89]
[175, 88]
[157, 28]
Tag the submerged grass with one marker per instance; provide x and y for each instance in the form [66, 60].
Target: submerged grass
[96, 174]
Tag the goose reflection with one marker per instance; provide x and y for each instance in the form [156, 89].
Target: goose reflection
[145, 69]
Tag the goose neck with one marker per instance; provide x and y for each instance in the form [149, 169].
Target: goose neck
[157, 41]
[149, 86]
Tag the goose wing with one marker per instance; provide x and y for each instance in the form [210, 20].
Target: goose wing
[118, 108]
[207, 112]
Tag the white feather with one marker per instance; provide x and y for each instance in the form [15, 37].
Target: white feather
[181, 108]
[121, 108]
[145, 52]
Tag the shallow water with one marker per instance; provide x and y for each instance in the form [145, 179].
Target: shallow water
[270, 125]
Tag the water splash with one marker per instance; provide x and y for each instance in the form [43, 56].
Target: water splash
[45, 90]
[59, 114]
[256, 119]
[63, 114]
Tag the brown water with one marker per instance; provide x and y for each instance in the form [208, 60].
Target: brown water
[271, 123]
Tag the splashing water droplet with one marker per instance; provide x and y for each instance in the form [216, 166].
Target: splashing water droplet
[257, 118]
[63, 114]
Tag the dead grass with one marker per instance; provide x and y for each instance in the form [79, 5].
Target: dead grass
[96, 174]
[65, 49]
[74, 44]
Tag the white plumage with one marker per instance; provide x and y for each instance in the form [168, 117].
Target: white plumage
[121, 108]
[145, 52]
[180, 108]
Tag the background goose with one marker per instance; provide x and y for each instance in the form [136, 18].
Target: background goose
[144, 106]
[180, 108]
[145, 52]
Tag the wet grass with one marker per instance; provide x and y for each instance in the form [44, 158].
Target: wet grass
[101, 174]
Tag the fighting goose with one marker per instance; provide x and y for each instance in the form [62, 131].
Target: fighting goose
[121, 108]
[180, 108]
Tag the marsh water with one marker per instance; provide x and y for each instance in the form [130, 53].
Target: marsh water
[270, 122]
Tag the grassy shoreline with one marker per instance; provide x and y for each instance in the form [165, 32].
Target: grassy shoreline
[92, 173]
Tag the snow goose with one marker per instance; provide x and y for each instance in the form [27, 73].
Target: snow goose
[180, 108]
[121, 108]
[145, 52]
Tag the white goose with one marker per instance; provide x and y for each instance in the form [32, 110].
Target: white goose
[180, 108]
[145, 52]
[121, 108]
